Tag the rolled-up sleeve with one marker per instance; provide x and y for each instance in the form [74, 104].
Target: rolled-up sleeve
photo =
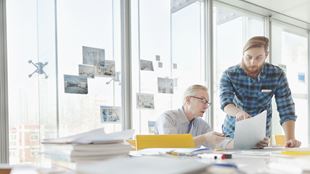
[226, 90]
[284, 100]
[165, 125]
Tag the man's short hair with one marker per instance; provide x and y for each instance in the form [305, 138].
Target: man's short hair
[192, 90]
[257, 42]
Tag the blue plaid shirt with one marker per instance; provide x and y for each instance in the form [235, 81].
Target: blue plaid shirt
[253, 95]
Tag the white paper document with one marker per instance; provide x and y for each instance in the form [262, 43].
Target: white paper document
[250, 131]
[92, 137]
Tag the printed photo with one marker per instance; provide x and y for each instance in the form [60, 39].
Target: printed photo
[110, 114]
[151, 126]
[108, 70]
[157, 57]
[146, 65]
[165, 85]
[145, 101]
[175, 66]
[93, 56]
[75, 84]
[87, 71]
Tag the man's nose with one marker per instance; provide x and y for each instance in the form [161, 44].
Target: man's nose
[253, 62]
[206, 105]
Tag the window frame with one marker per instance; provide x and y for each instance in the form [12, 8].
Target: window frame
[4, 136]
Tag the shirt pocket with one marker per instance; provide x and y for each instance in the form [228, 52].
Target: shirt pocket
[264, 96]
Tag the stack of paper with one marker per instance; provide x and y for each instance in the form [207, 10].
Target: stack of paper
[92, 145]
[93, 136]
[86, 152]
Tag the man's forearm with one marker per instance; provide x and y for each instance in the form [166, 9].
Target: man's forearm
[200, 140]
[231, 109]
[289, 129]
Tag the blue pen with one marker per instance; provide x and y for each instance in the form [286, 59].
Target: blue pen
[200, 150]
[229, 165]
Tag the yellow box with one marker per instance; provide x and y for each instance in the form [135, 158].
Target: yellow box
[280, 140]
[165, 141]
[5, 171]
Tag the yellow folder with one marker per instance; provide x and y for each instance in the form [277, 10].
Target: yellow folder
[296, 153]
[165, 141]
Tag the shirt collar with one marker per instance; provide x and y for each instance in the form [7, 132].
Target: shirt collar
[261, 74]
[183, 117]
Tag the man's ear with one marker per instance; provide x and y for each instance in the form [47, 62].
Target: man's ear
[188, 99]
[267, 53]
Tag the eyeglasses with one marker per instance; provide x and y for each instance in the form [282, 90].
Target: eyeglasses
[202, 100]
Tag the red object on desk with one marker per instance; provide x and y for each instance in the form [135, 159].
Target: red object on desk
[226, 156]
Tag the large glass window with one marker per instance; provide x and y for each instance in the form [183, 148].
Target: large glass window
[31, 92]
[232, 28]
[66, 77]
[167, 56]
[89, 65]
[290, 51]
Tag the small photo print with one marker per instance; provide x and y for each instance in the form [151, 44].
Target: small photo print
[157, 57]
[107, 70]
[75, 84]
[110, 114]
[175, 66]
[87, 71]
[93, 56]
[151, 126]
[165, 85]
[146, 65]
[145, 101]
[160, 64]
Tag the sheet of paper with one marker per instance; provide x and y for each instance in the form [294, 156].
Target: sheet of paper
[250, 131]
[74, 138]
[92, 136]
[175, 151]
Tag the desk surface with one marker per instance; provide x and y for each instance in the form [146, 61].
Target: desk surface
[249, 161]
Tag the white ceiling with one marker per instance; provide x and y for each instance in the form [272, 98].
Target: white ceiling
[299, 9]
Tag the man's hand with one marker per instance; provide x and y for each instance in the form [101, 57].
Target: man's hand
[241, 115]
[263, 143]
[214, 138]
[292, 143]
[210, 139]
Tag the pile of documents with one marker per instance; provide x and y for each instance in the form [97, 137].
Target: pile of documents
[89, 146]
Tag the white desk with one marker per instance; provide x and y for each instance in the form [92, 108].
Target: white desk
[267, 161]
[252, 162]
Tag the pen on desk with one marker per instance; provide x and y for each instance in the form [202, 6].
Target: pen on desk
[216, 156]
[231, 165]
[173, 153]
[200, 151]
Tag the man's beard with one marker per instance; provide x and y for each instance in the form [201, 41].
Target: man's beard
[253, 72]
